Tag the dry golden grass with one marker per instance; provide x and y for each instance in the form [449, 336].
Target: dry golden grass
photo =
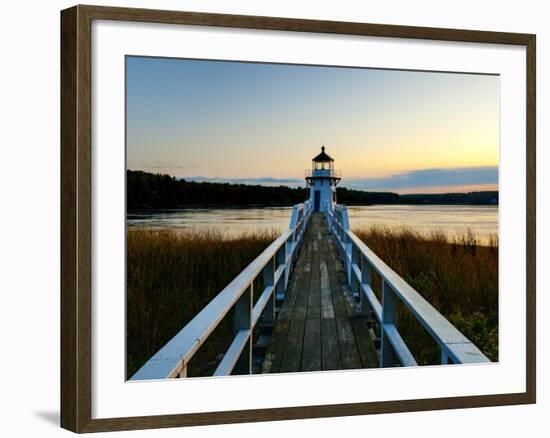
[171, 276]
[457, 275]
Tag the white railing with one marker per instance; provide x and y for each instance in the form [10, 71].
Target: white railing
[274, 264]
[324, 173]
[360, 262]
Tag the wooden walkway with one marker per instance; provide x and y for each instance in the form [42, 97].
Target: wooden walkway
[318, 327]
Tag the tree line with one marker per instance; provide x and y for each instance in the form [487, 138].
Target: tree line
[157, 191]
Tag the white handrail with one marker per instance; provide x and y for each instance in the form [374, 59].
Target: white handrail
[274, 264]
[360, 261]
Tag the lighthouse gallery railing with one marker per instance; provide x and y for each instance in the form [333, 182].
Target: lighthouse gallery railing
[274, 264]
[360, 263]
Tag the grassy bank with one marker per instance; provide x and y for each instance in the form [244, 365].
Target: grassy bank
[457, 275]
[171, 276]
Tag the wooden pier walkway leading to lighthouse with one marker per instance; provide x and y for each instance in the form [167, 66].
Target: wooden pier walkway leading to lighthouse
[306, 304]
[319, 326]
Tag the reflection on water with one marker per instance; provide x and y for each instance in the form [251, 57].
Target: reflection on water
[453, 219]
[228, 220]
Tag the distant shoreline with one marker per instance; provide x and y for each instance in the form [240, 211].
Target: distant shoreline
[245, 207]
[146, 191]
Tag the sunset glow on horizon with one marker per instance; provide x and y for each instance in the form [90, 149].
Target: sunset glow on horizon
[387, 130]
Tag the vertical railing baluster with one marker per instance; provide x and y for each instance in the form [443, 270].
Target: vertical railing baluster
[444, 357]
[280, 261]
[346, 241]
[389, 316]
[366, 280]
[355, 262]
[340, 230]
[242, 320]
[289, 256]
[268, 314]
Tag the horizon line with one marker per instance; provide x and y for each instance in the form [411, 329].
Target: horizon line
[280, 182]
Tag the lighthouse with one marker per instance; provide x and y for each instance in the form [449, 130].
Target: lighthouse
[322, 180]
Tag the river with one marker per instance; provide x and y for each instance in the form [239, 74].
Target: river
[452, 219]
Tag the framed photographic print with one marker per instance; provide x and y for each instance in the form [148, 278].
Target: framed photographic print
[269, 218]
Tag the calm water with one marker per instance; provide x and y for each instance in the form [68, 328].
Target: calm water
[230, 220]
[482, 220]
[452, 219]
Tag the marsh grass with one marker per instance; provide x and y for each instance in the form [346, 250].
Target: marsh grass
[171, 276]
[458, 275]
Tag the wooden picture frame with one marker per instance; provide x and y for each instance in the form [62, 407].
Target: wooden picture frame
[76, 217]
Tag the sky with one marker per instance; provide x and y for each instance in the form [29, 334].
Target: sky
[387, 130]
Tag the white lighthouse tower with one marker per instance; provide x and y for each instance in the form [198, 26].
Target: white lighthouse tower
[322, 181]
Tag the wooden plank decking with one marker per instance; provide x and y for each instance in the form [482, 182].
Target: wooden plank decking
[318, 327]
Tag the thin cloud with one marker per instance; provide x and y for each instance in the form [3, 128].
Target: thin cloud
[467, 176]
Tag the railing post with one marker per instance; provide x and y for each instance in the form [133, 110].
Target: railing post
[346, 241]
[389, 316]
[444, 357]
[288, 256]
[243, 321]
[366, 280]
[268, 314]
[355, 284]
[345, 218]
[280, 260]
[348, 258]
[294, 217]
